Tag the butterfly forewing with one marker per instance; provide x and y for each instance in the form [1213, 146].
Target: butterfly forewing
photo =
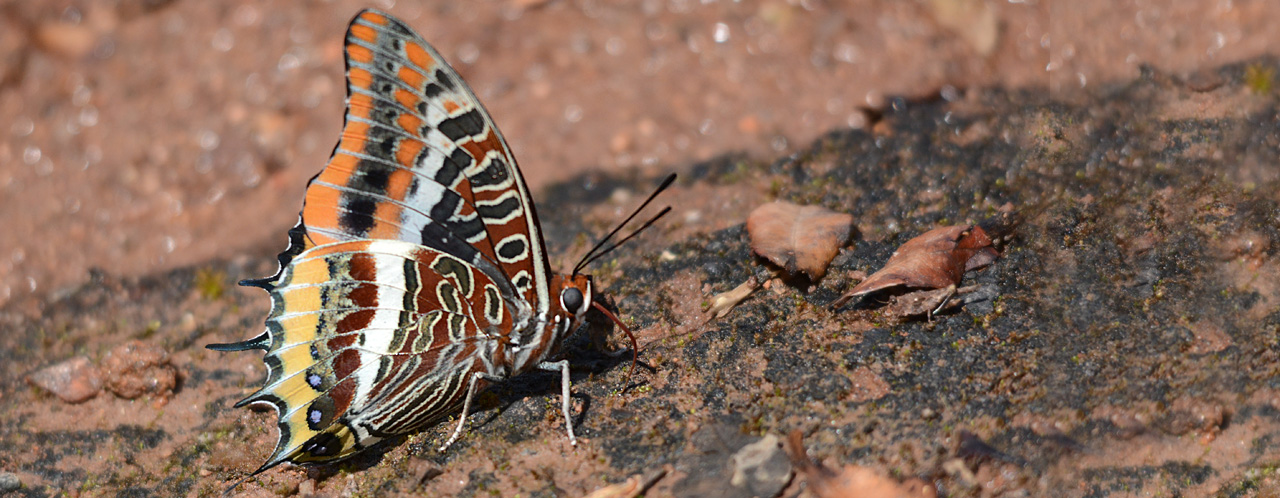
[371, 338]
[421, 161]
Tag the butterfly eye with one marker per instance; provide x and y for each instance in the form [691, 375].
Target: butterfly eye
[572, 301]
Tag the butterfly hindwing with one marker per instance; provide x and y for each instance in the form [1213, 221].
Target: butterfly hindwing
[421, 161]
[370, 339]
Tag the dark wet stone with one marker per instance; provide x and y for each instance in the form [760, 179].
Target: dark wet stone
[729, 463]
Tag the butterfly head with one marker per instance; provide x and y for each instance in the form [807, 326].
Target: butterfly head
[574, 298]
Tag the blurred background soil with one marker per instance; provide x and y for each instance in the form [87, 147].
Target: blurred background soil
[152, 152]
[143, 135]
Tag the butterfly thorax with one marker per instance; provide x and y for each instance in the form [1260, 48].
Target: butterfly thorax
[545, 336]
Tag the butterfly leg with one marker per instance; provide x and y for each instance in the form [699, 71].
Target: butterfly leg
[563, 367]
[472, 387]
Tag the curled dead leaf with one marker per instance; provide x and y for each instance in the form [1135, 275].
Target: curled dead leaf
[851, 481]
[800, 239]
[936, 259]
[930, 302]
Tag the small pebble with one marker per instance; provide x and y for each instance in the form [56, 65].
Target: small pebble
[1204, 81]
[137, 368]
[9, 482]
[73, 381]
[762, 467]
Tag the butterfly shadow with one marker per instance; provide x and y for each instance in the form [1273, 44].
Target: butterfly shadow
[589, 358]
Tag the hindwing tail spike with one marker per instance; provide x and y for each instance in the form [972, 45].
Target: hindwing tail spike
[262, 341]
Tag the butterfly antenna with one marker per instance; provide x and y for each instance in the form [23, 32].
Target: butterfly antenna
[591, 255]
[629, 237]
[635, 347]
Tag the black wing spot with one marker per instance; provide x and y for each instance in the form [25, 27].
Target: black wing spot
[371, 177]
[446, 80]
[495, 173]
[320, 413]
[469, 124]
[453, 166]
[388, 146]
[512, 248]
[315, 380]
[358, 216]
[322, 445]
[447, 207]
[395, 26]
[500, 210]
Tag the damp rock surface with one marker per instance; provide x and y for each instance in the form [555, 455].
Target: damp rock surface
[1126, 343]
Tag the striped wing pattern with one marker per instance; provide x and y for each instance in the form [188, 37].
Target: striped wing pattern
[370, 339]
[416, 262]
[421, 161]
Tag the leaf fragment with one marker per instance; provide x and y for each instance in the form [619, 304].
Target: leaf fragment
[723, 302]
[936, 259]
[800, 239]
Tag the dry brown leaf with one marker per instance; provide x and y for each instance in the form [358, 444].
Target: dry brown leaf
[800, 239]
[851, 481]
[936, 259]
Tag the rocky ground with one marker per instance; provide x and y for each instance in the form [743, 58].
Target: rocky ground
[1130, 349]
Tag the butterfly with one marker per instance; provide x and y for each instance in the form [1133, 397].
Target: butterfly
[417, 273]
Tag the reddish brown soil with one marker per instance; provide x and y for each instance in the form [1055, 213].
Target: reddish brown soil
[139, 136]
[143, 135]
